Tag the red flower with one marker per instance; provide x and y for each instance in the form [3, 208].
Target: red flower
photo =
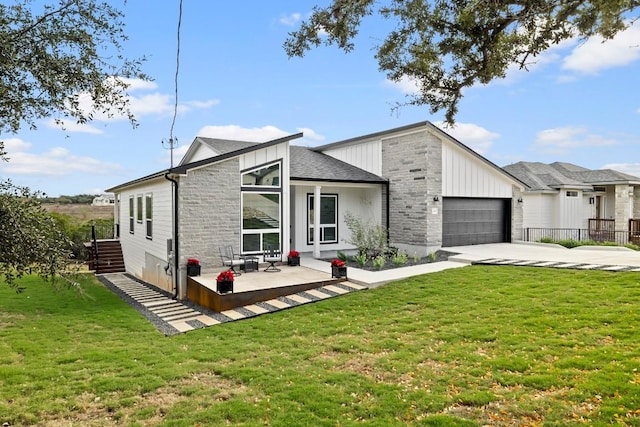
[337, 263]
[293, 254]
[225, 276]
[193, 261]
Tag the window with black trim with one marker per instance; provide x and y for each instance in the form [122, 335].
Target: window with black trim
[328, 218]
[131, 215]
[261, 208]
[572, 194]
[139, 208]
[148, 213]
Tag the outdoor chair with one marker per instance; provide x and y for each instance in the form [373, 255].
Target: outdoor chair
[230, 259]
[272, 255]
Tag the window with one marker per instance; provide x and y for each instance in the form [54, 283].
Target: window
[265, 176]
[131, 214]
[328, 218]
[572, 194]
[261, 208]
[260, 221]
[148, 212]
[139, 207]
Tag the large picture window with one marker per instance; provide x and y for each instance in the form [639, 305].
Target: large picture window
[328, 218]
[261, 208]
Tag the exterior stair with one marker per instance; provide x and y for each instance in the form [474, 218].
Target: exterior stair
[108, 259]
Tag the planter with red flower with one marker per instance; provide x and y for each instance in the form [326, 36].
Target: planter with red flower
[293, 258]
[338, 268]
[224, 282]
[193, 267]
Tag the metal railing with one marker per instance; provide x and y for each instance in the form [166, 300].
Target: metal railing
[580, 235]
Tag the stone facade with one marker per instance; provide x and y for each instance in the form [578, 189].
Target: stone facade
[517, 215]
[622, 207]
[209, 213]
[413, 165]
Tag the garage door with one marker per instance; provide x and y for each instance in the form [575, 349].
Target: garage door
[468, 221]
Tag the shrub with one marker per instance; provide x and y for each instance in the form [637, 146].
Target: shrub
[371, 240]
[360, 259]
[379, 262]
[546, 240]
[569, 243]
[432, 256]
[342, 256]
[400, 258]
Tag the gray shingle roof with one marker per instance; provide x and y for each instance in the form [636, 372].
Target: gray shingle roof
[224, 146]
[542, 176]
[311, 165]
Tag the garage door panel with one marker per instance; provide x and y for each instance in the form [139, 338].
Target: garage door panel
[472, 221]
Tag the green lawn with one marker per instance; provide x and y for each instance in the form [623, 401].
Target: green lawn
[483, 345]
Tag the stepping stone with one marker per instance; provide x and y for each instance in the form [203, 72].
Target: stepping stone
[318, 294]
[545, 263]
[589, 266]
[298, 298]
[255, 309]
[568, 265]
[182, 316]
[155, 303]
[635, 269]
[233, 314]
[615, 267]
[355, 286]
[209, 321]
[336, 289]
[277, 303]
[182, 326]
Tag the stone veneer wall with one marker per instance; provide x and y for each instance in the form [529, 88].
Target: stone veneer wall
[413, 165]
[622, 207]
[636, 202]
[209, 213]
[517, 215]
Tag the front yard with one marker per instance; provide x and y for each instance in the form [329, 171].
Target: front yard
[482, 345]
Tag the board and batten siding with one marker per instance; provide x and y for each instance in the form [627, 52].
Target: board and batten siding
[365, 155]
[363, 201]
[539, 212]
[465, 175]
[144, 257]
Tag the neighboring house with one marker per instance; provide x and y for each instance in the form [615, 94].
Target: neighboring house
[567, 196]
[103, 200]
[427, 188]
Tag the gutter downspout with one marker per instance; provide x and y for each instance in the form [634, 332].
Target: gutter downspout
[176, 261]
[386, 184]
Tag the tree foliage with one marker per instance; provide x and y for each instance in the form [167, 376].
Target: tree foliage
[62, 60]
[31, 241]
[448, 45]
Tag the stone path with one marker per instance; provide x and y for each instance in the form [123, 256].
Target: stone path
[555, 264]
[172, 317]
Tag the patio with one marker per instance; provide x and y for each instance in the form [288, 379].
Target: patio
[258, 286]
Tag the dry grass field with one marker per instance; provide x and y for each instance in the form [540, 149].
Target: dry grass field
[82, 212]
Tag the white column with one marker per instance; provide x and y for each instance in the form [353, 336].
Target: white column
[316, 221]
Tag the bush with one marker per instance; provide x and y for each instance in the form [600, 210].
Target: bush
[371, 240]
[400, 258]
[361, 259]
[379, 262]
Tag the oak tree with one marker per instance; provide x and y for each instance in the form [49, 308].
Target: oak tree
[448, 45]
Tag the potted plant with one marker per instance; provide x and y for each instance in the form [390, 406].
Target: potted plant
[224, 282]
[293, 258]
[193, 267]
[338, 268]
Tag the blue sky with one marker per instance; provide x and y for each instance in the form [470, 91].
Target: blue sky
[579, 103]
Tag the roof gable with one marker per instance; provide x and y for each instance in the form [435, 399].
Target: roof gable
[311, 165]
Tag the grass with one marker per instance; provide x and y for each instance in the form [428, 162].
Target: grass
[482, 345]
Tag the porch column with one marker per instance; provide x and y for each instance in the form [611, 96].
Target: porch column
[316, 221]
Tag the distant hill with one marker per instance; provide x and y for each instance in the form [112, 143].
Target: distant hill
[81, 211]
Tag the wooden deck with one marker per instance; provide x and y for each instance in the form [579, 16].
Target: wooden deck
[253, 287]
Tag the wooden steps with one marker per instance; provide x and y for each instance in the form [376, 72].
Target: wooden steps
[109, 257]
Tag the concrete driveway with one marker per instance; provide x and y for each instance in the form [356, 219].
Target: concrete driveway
[608, 255]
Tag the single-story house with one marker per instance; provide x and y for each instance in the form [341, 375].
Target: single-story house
[566, 196]
[428, 189]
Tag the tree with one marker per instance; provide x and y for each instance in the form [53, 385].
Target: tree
[448, 45]
[63, 60]
[30, 239]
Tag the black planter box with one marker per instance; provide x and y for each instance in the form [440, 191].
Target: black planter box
[293, 260]
[224, 286]
[193, 270]
[338, 272]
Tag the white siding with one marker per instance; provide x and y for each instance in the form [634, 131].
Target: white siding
[136, 247]
[570, 211]
[363, 202]
[201, 152]
[465, 175]
[366, 155]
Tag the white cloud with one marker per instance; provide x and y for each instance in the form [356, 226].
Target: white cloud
[561, 140]
[407, 85]
[235, 132]
[597, 54]
[57, 161]
[311, 134]
[629, 168]
[70, 126]
[291, 19]
[471, 135]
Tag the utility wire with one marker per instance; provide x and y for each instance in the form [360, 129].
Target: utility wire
[172, 142]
